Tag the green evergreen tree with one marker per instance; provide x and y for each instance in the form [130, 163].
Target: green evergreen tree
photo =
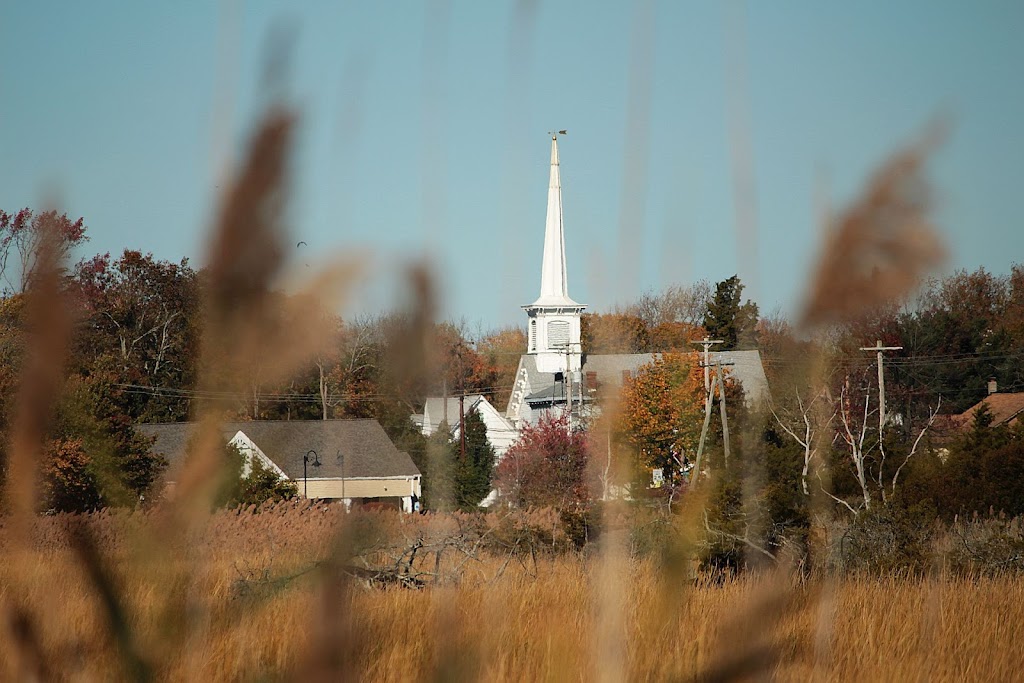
[440, 455]
[473, 473]
[96, 454]
[729, 320]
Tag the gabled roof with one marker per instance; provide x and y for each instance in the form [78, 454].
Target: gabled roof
[349, 448]
[609, 367]
[434, 410]
[1005, 409]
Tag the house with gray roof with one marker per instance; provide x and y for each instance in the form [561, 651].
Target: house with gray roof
[349, 460]
[438, 410]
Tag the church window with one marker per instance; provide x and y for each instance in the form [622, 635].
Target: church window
[533, 335]
[558, 334]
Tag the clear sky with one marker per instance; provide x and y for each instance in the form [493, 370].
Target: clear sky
[424, 131]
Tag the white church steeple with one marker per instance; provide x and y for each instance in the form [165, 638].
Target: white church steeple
[554, 318]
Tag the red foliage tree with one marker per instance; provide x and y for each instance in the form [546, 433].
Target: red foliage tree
[546, 466]
[22, 235]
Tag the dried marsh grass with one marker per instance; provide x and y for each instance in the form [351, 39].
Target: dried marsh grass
[534, 622]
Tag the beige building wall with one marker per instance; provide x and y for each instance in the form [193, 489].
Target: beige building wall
[359, 488]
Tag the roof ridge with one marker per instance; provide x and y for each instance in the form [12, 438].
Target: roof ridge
[224, 422]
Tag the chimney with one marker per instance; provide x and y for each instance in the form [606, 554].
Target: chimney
[992, 386]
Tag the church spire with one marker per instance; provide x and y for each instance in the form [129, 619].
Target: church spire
[554, 283]
[554, 319]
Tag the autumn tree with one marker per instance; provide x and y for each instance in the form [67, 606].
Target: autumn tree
[546, 466]
[22, 235]
[354, 379]
[614, 332]
[729, 319]
[663, 410]
[673, 316]
[144, 314]
[674, 304]
[500, 351]
[12, 349]
[656, 322]
[460, 368]
[69, 484]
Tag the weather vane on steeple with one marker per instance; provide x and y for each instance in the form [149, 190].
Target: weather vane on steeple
[555, 133]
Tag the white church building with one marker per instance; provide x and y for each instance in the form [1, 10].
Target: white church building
[555, 373]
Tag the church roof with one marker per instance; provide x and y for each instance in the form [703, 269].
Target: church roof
[746, 368]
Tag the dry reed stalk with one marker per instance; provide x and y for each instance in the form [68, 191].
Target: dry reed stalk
[881, 247]
[877, 252]
[248, 325]
[28, 661]
[49, 330]
[110, 595]
[609, 640]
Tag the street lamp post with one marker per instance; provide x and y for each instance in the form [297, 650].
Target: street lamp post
[305, 461]
[341, 462]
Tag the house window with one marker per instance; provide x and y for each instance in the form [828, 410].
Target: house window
[558, 334]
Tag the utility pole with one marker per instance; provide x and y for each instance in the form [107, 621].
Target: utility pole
[881, 380]
[707, 343]
[720, 383]
[567, 388]
[703, 437]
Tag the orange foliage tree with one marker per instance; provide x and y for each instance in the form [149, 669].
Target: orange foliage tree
[69, 484]
[662, 411]
[613, 333]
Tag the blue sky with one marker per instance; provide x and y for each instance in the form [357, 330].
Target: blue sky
[423, 131]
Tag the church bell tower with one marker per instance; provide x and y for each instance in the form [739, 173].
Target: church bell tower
[553, 327]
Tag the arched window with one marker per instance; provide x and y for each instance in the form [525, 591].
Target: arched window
[533, 335]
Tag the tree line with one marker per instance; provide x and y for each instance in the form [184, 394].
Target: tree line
[135, 357]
